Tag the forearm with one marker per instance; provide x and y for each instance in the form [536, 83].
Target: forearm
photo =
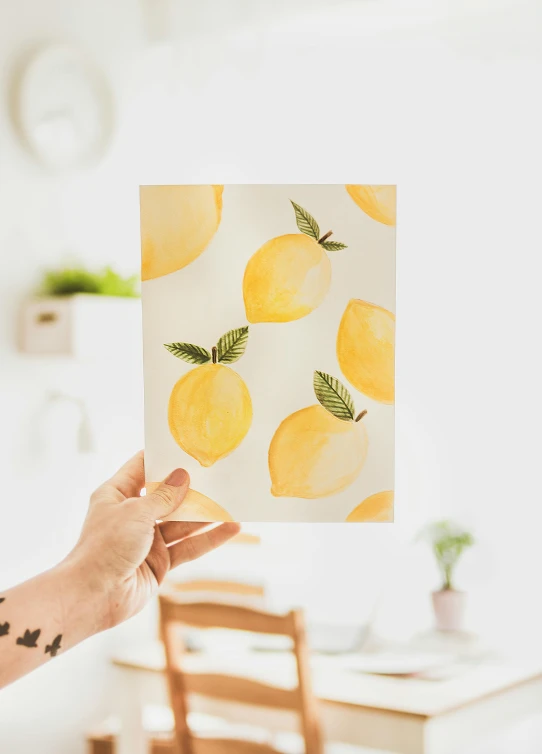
[45, 616]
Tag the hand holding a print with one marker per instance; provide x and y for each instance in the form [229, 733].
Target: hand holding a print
[123, 554]
[126, 552]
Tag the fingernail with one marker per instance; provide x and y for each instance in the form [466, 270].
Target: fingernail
[177, 478]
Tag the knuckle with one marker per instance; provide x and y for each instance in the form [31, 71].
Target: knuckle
[164, 495]
[141, 514]
[96, 496]
[144, 518]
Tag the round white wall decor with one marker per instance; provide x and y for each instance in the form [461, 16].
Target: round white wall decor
[64, 107]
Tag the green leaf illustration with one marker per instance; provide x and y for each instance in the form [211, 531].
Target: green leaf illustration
[305, 222]
[188, 352]
[333, 396]
[231, 346]
[333, 245]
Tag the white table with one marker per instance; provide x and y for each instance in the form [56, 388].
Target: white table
[403, 715]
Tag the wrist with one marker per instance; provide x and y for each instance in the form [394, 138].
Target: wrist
[83, 595]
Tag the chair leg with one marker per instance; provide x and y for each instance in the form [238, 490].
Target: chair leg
[162, 746]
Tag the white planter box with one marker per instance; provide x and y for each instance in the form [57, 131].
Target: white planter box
[82, 326]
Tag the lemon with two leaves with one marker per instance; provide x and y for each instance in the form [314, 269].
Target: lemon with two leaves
[366, 349]
[319, 450]
[379, 202]
[289, 276]
[210, 409]
[177, 224]
[377, 508]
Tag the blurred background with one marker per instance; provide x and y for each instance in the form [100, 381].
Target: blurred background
[438, 97]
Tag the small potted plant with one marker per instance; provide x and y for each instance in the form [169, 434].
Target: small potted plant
[69, 281]
[75, 307]
[448, 541]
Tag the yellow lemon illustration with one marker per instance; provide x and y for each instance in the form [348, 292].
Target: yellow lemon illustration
[289, 276]
[286, 279]
[195, 507]
[210, 409]
[366, 350]
[177, 223]
[321, 449]
[210, 412]
[379, 202]
[376, 508]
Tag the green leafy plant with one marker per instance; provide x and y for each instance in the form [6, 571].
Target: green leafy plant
[71, 280]
[448, 541]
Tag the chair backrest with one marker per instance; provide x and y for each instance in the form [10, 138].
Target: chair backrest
[175, 613]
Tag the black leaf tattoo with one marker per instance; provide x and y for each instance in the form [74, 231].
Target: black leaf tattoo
[2, 599]
[4, 629]
[53, 648]
[30, 638]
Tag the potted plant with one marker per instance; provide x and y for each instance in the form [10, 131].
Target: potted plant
[75, 309]
[69, 281]
[448, 541]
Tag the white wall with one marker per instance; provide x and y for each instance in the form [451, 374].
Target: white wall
[45, 484]
[449, 112]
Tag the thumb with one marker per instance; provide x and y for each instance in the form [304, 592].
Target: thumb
[167, 497]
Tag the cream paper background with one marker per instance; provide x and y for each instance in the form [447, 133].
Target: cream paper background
[200, 302]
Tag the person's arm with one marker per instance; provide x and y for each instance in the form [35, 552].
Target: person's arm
[44, 616]
[118, 563]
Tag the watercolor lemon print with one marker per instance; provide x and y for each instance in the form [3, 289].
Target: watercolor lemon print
[289, 276]
[210, 409]
[377, 508]
[177, 224]
[195, 507]
[379, 202]
[321, 449]
[365, 349]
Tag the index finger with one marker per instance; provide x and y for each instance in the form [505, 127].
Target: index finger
[129, 480]
[199, 544]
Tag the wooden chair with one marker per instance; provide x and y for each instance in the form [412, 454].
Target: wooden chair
[175, 614]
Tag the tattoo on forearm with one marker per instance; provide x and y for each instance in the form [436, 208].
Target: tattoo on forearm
[30, 638]
[53, 648]
[4, 627]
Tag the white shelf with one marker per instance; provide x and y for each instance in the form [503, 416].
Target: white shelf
[82, 326]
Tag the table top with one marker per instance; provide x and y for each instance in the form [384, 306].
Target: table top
[334, 683]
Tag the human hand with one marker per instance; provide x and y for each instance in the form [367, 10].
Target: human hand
[123, 555]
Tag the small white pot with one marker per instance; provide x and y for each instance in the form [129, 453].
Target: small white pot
[449, 607]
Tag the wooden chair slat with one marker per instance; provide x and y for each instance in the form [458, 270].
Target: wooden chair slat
[230, 746]
[219, 587]
[234, 617]
[243, 690]
[214, 746]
